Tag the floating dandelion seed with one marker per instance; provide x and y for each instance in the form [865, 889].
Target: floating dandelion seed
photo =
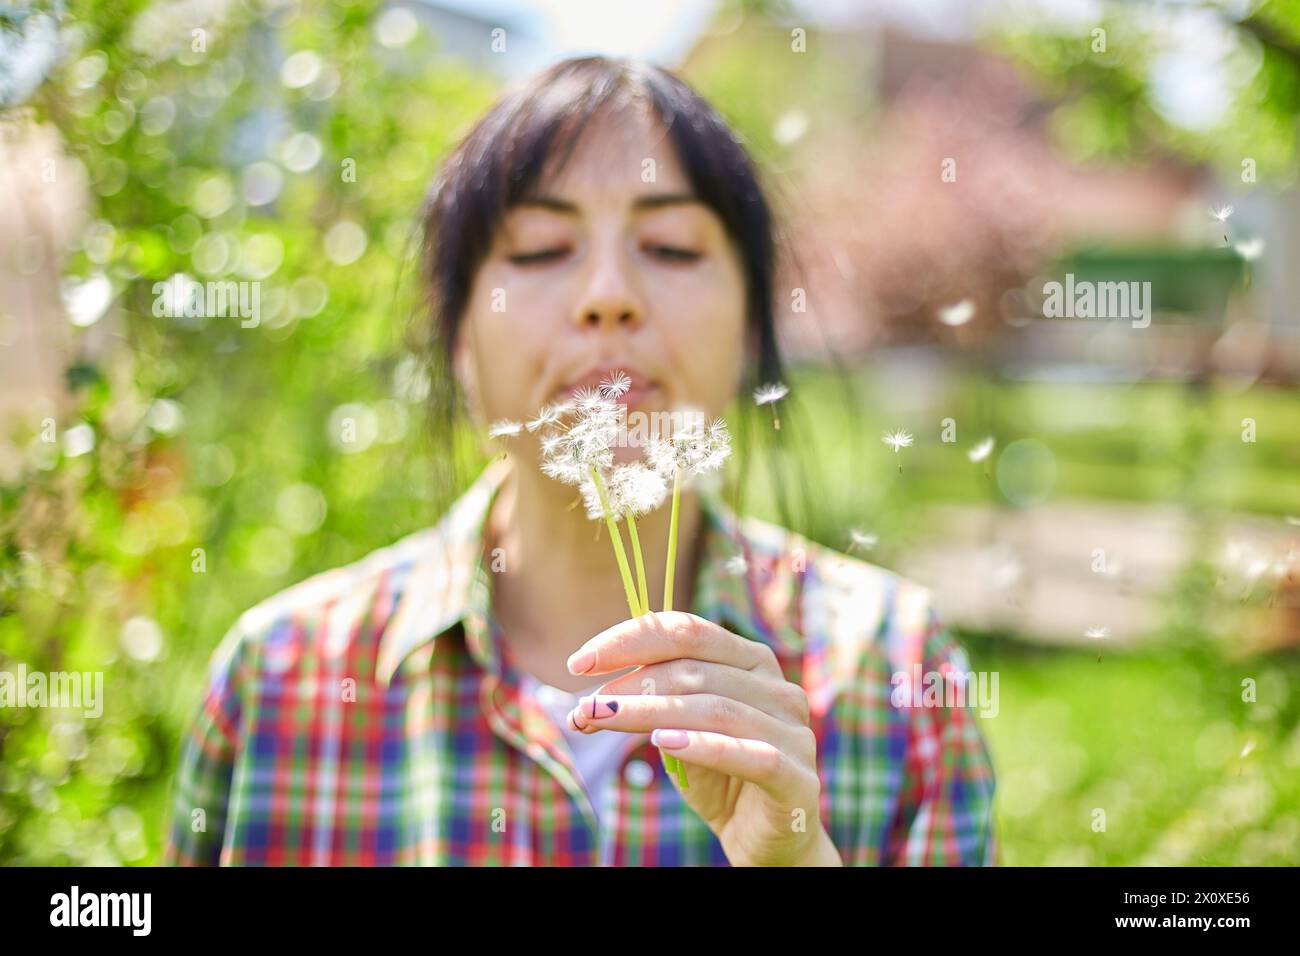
[770, 394]
[616, 385]
[737, 565]
[958, 314]
[1245, 751]
[549, 415]
[1097, 633]
[861, 539]
[980, 452]
[1250, 249]
[897, 440]
[1221, 214]
[504, 429]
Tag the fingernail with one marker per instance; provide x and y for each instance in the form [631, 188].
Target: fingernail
[595, 707]
[672, 739]
[582, 662]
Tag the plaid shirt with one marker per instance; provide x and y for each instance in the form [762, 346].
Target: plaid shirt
[366, 717]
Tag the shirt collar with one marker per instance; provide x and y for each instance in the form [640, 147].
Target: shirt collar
[748, 579]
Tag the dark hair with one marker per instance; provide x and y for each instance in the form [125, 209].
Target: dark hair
[500, 162]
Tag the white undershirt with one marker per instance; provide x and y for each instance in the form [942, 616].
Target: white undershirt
[597, 755]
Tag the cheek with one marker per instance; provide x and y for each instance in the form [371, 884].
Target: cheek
[508, 347]
[703, 326]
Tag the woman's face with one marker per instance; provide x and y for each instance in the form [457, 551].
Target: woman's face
[614, 266]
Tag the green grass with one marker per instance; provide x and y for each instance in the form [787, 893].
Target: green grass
[1155, 740]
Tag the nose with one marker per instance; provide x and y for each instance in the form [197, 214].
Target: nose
[608, 298]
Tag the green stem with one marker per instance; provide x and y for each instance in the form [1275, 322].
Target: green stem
[617, 540]
[672, 544]
[671, 763]
[640, 563]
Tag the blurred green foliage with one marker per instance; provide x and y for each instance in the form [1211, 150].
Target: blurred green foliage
[217, 475]
[1106, 79]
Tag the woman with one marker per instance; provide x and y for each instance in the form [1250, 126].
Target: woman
[476, 694]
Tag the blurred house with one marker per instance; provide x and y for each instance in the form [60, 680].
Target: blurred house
[945, 184]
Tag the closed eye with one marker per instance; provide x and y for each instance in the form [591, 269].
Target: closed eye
[674, 254]
[536, 258]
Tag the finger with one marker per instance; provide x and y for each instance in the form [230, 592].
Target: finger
[784, 779]
[664, 636]
[781, 698]
[643, 713]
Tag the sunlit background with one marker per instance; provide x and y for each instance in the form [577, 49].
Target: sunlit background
[1124, 554]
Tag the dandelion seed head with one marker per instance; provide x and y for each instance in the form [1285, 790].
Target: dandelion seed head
[569, 455]
[591, 498]
[660, 455]
[589, 399]
[694, 448]
[1221, 213]
[1097, 632]
[566, 470]
[636, 488]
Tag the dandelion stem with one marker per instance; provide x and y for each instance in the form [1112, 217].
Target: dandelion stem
[617, 540]
[671, 763]
[640, 563]
[672, 543]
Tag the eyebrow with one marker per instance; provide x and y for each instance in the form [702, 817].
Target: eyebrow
[641, 203]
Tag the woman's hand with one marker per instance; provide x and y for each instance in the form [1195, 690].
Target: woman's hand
[752, 757]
